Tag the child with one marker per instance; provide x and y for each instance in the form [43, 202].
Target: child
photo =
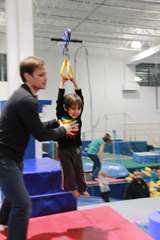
[96, 153]
[69, 109]
[104, 185]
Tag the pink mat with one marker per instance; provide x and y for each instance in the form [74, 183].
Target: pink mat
[101, 223]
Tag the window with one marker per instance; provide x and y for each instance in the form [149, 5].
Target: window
[3, 67]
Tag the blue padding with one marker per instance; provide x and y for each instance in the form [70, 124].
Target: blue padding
[42, 183]
[85, 143]
[115, 170]
[85, 147]
[52, 203]
[42, 103]
[117, 190]
[154, 225]
[112, 169]
[87, 166]
[41, 165]
[139, 146]
[126, 147]
[146, 157]
[42, 176]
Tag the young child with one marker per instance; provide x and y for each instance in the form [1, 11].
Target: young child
[69, 109]
[96, 153]
[104, 185]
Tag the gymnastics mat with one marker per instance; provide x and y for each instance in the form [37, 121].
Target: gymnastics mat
[146, 157]
[102, 223]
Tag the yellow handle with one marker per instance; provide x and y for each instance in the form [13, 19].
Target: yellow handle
[66, 70]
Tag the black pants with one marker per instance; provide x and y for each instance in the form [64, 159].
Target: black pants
[72, 170]
[16, 207]
[6, 205]
[105, 196]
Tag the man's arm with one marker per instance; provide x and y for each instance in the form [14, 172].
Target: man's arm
[27, 111]
[51, 124]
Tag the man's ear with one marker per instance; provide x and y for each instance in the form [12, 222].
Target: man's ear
[27, 76]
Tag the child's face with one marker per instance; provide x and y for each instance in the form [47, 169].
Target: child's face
[74, 111]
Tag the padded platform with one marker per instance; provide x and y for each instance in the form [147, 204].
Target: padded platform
[154, 224]
[146, 157]
[45, 173]
[101, 223]
[43, 180]
[52, 203]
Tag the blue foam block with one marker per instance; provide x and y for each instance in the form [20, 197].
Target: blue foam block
[42, 176]
[52, 203]
[154, 225]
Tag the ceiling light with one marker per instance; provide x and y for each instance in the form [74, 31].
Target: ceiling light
[138, 79]
[136, 44]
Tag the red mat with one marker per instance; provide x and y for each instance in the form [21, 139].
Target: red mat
[101, 223]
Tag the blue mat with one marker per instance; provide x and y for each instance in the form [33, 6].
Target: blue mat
[42, 178]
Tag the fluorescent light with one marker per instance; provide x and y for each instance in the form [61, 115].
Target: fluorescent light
[136, 44]
[138, 79]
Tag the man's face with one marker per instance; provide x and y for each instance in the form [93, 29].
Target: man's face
[38, 79]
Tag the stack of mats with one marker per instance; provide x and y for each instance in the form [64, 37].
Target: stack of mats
[43, 180]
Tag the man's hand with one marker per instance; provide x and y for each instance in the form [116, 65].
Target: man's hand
[71, 128]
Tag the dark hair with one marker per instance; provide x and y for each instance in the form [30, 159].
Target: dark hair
[29, 65]
[107, 138]
[71, 100]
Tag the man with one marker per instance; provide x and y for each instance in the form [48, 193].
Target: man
[20, 119]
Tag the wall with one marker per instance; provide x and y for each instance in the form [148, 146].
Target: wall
[3, 85]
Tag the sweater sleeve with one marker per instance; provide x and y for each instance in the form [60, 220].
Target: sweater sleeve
[51, 124]
[79, 93]
[60, 102]
[27, 111]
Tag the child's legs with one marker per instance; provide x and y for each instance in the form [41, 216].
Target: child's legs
[79, 172]
[68, 172]
[105, 196]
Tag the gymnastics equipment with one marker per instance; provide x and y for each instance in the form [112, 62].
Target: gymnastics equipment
[115, 170]
[66, 70]
[89, 85]
[154, 225]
